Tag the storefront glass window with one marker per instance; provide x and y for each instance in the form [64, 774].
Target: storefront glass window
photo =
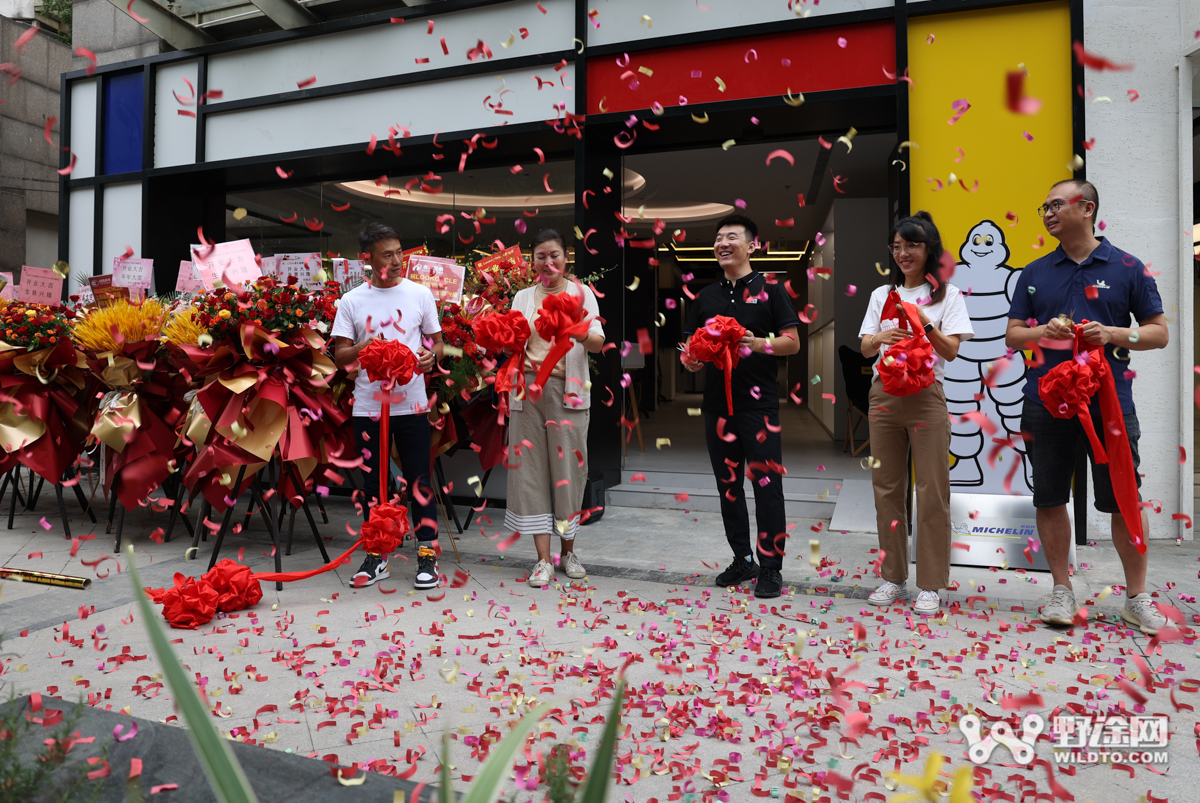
[123, 123]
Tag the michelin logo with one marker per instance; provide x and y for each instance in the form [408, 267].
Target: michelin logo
[966, 528]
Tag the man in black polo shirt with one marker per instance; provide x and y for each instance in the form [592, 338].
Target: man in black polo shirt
[1085, 278]
[751, 434]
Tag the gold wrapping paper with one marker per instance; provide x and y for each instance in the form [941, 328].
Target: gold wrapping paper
[120, 416]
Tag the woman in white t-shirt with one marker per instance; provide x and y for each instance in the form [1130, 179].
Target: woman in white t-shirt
[919, 421]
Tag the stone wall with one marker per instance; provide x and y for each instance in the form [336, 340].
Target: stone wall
[28, 181]
[110, 33]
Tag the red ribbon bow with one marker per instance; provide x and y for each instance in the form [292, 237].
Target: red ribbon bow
[908, 366]
[499, 332]
[717, 343]
[392, 363]
[386, 529]
[1067, 390]
[560, 319]
[388, 361]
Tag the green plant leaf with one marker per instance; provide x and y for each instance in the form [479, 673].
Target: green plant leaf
[445, 794]
[595, 789]
[486, 786]
[225, 774]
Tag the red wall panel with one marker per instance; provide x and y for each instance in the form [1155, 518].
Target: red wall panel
[804, 61]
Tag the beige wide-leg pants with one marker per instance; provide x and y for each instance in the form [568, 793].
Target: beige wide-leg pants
[545, 487]
[919, 422]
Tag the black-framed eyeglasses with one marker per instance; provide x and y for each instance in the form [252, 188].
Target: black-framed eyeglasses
[1053, 206]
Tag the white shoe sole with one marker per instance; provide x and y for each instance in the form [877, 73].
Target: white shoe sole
[1133, 620]
[934, 609]
[538, 583]
[369, 581]
[422, 586]
[578, 576]
[891, 601]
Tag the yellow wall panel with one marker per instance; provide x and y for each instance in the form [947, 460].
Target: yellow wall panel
[970, 56]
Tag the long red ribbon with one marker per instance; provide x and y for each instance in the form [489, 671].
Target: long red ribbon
[1121, 470]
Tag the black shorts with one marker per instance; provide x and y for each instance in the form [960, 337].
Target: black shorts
[1052, 456]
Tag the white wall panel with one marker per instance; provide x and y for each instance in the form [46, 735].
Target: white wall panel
[1135, 167]
[82, 233]
[174, 133]
[83, 127]
[621, 20]
[122, 222]
[392, 49]
[455, 104]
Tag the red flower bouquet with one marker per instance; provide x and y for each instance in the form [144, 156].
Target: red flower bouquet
[717, 343]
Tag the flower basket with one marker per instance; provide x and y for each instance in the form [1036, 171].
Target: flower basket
[142, 401]
[265, 390]
[42, 376]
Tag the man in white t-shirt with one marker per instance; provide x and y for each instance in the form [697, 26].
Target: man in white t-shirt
[390, 307]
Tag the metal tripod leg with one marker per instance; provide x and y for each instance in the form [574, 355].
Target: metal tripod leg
[120, 523]
[225, 523]
[62, 511]
[256, 489]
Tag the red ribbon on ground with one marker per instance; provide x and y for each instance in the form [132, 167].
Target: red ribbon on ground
[908, 366]
[228, 586]
[1067, 390]
[717, 343]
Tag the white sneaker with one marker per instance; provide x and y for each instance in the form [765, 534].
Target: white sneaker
[1140, 612]
[573, 567]
[888, 593]
[542, 574]
[927, 602]
[1060, 610]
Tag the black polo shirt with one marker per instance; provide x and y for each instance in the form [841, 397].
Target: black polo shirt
[764, 309]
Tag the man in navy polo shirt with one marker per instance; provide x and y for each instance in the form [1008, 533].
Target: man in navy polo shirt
[752, 432]
[1051, 298]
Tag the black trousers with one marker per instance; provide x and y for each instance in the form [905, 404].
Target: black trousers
[749, 441]
[410, 434]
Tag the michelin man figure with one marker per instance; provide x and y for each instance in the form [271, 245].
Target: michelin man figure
[987, 282]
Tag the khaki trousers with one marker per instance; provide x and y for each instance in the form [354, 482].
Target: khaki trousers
[919, 422]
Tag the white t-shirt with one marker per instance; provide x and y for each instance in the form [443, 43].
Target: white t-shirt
[403, 312]
[949, 316]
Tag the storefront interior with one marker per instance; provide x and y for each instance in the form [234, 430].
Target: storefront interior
[829, 187]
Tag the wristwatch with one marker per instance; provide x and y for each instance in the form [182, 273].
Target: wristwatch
[929, 327]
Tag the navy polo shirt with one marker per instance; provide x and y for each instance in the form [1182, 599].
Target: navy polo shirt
[1054, 285]
[764, 309]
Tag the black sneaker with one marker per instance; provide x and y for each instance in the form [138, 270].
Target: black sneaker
[769, 585]
[427, 568]
[741, 570]
[373, 569]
